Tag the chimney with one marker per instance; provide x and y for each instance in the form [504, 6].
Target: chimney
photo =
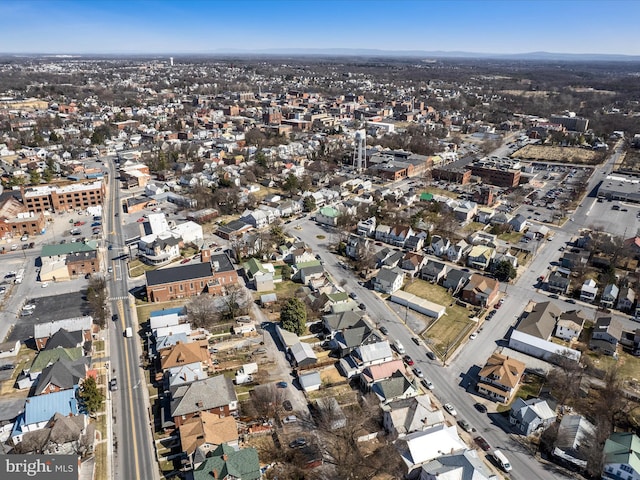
[225, 457]
[214, 472]
[205, 255]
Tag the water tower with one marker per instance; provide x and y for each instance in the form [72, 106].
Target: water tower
[360, 152]
[171, 61]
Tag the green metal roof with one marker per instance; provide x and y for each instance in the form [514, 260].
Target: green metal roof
[46, 357]
[66, 248]
[242, 464]
[623, 448]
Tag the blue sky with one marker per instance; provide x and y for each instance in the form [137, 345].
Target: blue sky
[198, 26]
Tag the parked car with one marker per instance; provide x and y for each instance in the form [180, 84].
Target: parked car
[418, 372]
[473, 336]
[482, 443]
[298, 443]
[290, 419]
[431, 355]
[480, 407]
[282, 384]
[384, 330]
[287, 406]
[415, 340]
[427, 384]
[466, 426]
[408, 360]
[451, 409]
[186, 260]
[353, 295]
[113, 384]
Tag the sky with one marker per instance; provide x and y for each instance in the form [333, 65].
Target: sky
[216, 26]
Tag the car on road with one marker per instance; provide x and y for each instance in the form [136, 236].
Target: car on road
[298, 443]
[415, 340]
[482, 443]
[408, 360]
[186, 260]
[110, 270]
[451, 409]
[473, 336]
[6, 366]
[287, 406]
[290, 419]
[113, 384]
[570, 300]
[431, 355]
[554, 296]
[466, 426]
[282, 384]
[418, 372]
[45, 284]
[480, 407]
[384, 330]
[3, 289]
[353, 295]
[427, 384]
[362, 306]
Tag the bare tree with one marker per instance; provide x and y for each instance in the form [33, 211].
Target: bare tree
[203, 312]
[565, 378]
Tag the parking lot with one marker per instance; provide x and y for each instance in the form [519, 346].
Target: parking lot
[617, 218]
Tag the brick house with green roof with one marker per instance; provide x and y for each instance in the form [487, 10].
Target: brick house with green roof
[621, 457]
[226, 463]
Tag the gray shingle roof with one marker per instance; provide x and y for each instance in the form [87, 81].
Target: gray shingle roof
[203, 395]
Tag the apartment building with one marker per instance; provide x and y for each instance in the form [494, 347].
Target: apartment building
[62, 198]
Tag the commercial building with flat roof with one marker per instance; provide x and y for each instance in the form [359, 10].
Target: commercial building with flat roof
[61, 198]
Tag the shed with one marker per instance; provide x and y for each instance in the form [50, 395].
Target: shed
[310, 381]
[303, 354]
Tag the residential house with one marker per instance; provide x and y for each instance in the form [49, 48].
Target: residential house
[62, 375]
[485, 215]
[480, 290]
[419, 448]
[518, 223]
[621, 457]
[297, 253]
[500, 376]
[480, 256]
[206, 432]
[439, 246]
[345, 341]
[367, 228]
[288, 208]
[39, 410]
[62, 435]
[392, 259]
[214, 395]
[175, 377]
[399, 234]
[396, 387]
[573, 260]
[530, 416]
[416, 242]
[160, 249]
[483, 238]
[558, 283]
[409, 415]
[609, 296]
[589, 291]
[328, 216]
[569, 325]
[455, 280]
[227, 463]
[499, 219]
[382, 233]
[357, 247]
[310, 274]
[462, 465]
[375, 373]
[259, 276]
[434, 271]
[465, 211]
[184, 354]
[339, 321]
[626, 298]
[302, 355]
[388, 280]
[412, 263]
[373, 353]
[457, 251]
[606, 335]
[573, 434]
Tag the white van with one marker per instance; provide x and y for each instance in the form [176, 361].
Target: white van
[128, 332]
[399, 347]
[502, 460]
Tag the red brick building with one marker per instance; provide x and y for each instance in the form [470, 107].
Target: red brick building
[214, 276]
[64, 197]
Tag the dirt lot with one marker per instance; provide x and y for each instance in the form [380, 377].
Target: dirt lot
[630, 162]
[559, 154]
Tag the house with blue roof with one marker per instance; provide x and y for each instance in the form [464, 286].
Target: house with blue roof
[39, 410]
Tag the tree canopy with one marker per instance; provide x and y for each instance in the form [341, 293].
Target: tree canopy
[90, 395]
[294, 316]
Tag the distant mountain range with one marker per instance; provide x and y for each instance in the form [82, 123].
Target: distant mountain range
[371, 52]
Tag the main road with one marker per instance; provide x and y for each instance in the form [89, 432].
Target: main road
[134, 457]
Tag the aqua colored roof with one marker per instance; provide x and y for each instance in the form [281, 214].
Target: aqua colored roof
[42, 407]
[242, 464]
[168, 311]
[623, 448]
[329, 212]
[426, 197]
[59, 249]
[253, 266]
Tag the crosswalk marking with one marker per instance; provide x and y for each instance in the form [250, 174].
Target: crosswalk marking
[124, 297]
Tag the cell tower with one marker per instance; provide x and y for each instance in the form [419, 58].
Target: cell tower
[360, 152]
[171, 61]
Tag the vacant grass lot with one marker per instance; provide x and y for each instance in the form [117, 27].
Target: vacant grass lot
[145, 309]
[560, 154]
[453, 327]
